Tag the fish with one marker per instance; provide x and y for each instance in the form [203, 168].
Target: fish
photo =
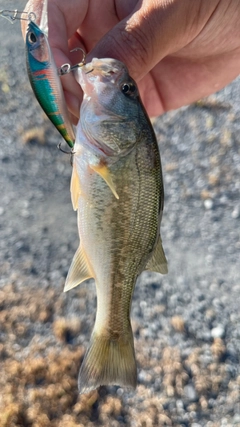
[117, 190]
[44, 78]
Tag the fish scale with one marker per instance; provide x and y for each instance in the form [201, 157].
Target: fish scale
[117, 182]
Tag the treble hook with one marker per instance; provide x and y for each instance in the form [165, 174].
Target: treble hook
[67, 68]
[80, 64]
[13, 15]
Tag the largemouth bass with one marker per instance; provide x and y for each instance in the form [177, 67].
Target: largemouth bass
[117, 187]
[44, 78]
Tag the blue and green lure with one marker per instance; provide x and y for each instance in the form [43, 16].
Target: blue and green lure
[44, 77]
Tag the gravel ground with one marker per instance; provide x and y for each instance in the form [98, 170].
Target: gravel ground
[186, 324]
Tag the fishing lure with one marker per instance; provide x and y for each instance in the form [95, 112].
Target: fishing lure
[43, 73]
[45, 81]
[44, 77]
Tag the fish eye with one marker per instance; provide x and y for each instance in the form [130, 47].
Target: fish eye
[32, 38]
[128, 88]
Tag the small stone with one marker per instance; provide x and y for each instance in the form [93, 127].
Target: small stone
[213, 179]
[236, 212]
[190, 393]
[25, 213]
[236, 419]
[143, 305]
[144, 376]
[224, 200]
[218, 332]
[208, 204]
[179, 404]
[205, 194]
[5, 88]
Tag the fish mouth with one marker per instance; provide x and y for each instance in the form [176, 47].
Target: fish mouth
[104, 67]
[99, 71]
[90, 71]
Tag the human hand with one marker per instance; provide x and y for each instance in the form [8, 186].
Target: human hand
[177, 50]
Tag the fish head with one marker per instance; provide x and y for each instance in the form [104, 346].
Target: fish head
[111, 108]
[100, 76]
[36, 43]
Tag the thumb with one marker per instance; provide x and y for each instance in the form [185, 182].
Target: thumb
[153, 30]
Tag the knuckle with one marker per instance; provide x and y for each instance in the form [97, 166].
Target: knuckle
[138, 47]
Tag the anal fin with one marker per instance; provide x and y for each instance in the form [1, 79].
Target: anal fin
[158, 262]
[103, 171]
[78, 271]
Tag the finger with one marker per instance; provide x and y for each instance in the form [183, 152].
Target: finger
[73, 118]
[106, 18]
[180, 82]
[152, 31]
[73, 103]
[64, 18]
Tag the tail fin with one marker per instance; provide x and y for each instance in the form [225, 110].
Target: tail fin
[108, 361]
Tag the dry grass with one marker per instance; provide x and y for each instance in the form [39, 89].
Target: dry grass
[39, 381]
[34, 135]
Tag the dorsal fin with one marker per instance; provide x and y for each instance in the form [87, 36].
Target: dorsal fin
[158, 262]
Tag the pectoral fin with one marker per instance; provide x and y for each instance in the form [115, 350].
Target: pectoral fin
[75, 188]
[103, 171]
[78, 271]
[158, 260]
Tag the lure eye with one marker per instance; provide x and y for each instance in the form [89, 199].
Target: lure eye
[32, 38]
[128, 88]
